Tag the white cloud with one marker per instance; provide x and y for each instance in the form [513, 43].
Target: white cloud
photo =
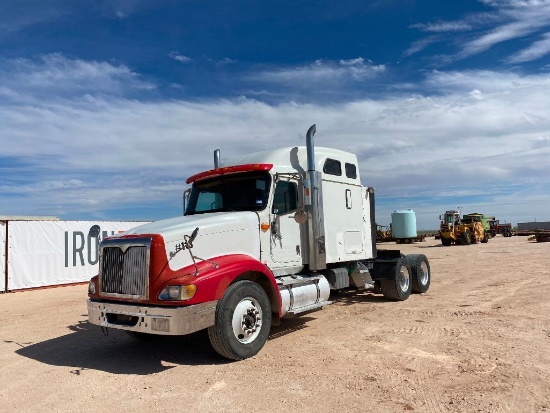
[23, 14]
[485, 132]
[124, 8]
[451, 26]
[509, 20]
[322, 71]
[179, 57]
[55, 73]
[498, 35]
[420, 45]
[535, 51]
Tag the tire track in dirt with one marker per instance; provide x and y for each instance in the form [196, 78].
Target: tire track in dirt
[433, 403]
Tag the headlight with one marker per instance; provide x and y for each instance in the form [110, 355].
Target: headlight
[91, 287]
[178, 292]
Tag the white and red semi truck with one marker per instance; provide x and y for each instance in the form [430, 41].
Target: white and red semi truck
[263, 237]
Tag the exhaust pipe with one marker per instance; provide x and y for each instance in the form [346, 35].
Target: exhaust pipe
[310, 148]
[317, 250]
[217, 161]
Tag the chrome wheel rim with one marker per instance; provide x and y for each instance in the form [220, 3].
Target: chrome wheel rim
[424, 273]
[404, 278]
[247, 320]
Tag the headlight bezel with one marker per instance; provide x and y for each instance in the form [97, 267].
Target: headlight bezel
[91, 287]
[177, 292]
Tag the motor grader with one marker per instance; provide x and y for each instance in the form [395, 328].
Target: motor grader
[461, 232]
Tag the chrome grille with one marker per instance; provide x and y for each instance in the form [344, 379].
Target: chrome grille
[125, 268]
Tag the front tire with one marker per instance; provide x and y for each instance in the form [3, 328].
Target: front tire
[446, 241]
[400, 286]
[243, 321]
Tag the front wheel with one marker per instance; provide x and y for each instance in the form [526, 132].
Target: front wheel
[446, 241]
[243, 321]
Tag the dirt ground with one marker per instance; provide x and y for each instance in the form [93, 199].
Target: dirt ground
[478, 341]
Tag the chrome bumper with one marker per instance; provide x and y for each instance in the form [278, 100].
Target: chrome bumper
[153, 320]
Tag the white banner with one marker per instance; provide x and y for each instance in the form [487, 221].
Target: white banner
[42, 253]
[2, 256]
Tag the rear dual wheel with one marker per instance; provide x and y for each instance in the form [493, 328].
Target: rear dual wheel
[398, 287]
[420, 272]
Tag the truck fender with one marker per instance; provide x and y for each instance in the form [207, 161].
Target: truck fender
[212, 281]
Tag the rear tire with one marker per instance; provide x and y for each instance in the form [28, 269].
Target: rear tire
[243, 321]
[465, 238]
[420, 272]
[400, 286]
[446, 241]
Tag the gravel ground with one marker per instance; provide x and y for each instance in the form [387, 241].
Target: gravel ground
[479, 340]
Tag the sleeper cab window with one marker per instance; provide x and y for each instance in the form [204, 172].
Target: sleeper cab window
[351, 171]
[332, 167]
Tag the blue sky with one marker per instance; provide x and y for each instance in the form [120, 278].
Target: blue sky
[106, 107]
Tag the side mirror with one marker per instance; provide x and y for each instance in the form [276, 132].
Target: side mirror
[94, 231]
[186, 195]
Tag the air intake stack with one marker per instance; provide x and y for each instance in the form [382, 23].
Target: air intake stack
[217, 161]
[316, 227]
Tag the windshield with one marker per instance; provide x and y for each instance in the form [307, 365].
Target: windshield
[450, 219]
[238, 192]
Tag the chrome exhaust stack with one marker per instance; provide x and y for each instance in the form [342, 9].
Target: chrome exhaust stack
[217, 161]
[316, 227]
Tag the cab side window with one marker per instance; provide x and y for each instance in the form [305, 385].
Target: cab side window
[351, 171]
[332, 167]
[285, 198]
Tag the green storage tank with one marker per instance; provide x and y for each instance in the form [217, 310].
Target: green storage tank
[403, 224]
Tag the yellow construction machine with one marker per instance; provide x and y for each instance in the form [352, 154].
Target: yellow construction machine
[455, 230]
[383, 233]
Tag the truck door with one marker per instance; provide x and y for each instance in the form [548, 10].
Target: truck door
[285, 231]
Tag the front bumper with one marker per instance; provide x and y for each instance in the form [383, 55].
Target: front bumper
[152, 320]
